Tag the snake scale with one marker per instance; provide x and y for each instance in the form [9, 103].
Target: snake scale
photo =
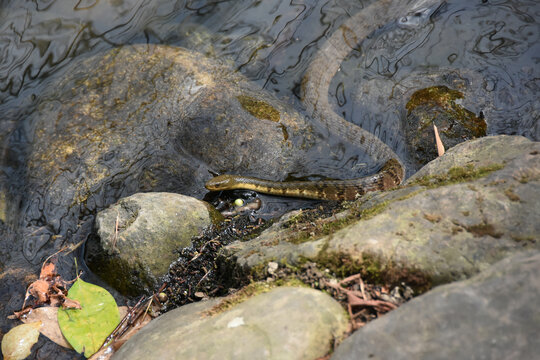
[315, 86]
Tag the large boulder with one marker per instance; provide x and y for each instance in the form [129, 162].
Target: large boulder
[285, 323]
[463, 212]
[138, 237]
[142, 118]
[494, 315]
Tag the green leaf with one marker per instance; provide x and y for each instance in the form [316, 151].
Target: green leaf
[17, 343]
[86, 329]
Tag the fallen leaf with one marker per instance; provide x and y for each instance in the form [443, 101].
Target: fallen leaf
[107, 352]
[123, 310]
[49, 328]
[40, 290]
[86, 329]
[47, 270]
[18, 342]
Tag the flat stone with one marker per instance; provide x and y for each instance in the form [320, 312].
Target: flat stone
[285, 323]
[493, 315]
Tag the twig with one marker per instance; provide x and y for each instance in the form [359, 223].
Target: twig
[440, 146]
[349, 279]
[362, 289]
[204, 277]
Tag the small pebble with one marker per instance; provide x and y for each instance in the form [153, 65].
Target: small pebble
[239, 202]
[162, 297]
[272, 267]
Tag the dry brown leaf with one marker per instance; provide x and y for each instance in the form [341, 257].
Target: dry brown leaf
[40, 290]
[47, 270]
[123, 310]
[49, 328]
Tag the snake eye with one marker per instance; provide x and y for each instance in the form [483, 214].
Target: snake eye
[218, 183]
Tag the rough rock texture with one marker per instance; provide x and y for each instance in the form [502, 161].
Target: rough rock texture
[494, 315]
[285, 323]
[151, 226]
[448, 231]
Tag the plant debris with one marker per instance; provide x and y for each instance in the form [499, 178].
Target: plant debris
[49, 289]
[364, 301]
[197, 275]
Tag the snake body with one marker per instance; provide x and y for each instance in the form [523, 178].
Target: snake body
[390, 176]
[315, 87]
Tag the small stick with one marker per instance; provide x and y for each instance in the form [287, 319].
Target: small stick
[362, 289]
[440, 146]
[349, 279]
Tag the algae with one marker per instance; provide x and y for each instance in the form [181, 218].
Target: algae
[456, 175]
[250, 290]
[373, 269]
[259, 108]
[483, 229]
[511, 195]
[446, 99]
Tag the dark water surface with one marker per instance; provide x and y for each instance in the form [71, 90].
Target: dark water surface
[272, 43]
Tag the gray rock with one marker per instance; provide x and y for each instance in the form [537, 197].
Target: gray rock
[151, 226]
[494, 315]
[285, 323]
[501, 149]
[446, 233]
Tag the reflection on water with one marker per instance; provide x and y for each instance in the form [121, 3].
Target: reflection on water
[493, 47]
[272, 42]
[265, 39]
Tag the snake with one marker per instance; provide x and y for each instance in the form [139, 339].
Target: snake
[315, 90]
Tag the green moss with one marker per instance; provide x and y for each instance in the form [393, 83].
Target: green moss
[375, 210]
[512, 195]
[524, 179]
[373, 269]
[312, 229]
[445, 99]
[483, 229]
[440, 95]
[526, 240]
[253, 289]
[258, 108]
[456, 175]
[215, 216]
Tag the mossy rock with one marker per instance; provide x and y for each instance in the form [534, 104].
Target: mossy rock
[146, 118]
[460, 214]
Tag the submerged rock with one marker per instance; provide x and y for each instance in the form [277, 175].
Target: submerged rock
[145, 118]
[493, 315]
[439, 105]
[465, 211]
[285, 323]
[138, 237]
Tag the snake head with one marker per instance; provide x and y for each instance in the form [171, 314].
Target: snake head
[221, 182]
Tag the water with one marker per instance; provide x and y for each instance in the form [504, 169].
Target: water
[492, 45]
[272, 42]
